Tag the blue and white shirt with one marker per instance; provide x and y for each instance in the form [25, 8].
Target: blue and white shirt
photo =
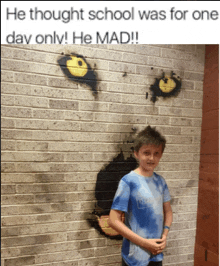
[141, 198]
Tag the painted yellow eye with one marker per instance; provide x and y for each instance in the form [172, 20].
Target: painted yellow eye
[167, 85]
[77, 66]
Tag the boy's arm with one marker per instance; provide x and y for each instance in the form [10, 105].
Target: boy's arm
[115, 221]
[168, 216]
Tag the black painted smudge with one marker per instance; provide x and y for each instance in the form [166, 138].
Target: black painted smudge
[107, 184]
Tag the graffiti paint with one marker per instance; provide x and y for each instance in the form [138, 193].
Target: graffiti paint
[165, 87]
[106, 186]
[76, 68]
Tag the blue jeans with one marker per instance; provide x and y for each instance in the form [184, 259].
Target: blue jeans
[151, 263]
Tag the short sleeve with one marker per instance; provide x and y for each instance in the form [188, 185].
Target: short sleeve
[166, 193]
[121, 199]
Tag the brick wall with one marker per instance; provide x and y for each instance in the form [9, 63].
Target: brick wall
[57, 136]
[207, 233]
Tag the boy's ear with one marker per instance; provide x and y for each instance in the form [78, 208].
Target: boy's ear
[136, 154]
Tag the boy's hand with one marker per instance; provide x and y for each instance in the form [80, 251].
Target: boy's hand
[164, 241]
[155, 246]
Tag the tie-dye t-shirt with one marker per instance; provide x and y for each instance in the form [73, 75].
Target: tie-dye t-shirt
[141, 198]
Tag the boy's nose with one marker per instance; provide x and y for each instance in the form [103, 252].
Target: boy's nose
[151, 156]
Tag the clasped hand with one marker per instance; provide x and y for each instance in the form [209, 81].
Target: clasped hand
[156, 246]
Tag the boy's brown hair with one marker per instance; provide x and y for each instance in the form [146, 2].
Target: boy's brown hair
[149, 136]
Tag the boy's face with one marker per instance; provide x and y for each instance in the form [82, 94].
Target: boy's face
[149, 157]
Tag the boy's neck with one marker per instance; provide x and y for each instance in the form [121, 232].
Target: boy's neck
[139, 171]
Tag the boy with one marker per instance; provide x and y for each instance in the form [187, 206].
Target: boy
[144, 198]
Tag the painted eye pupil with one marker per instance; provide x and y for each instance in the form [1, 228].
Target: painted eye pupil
[80, 63]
